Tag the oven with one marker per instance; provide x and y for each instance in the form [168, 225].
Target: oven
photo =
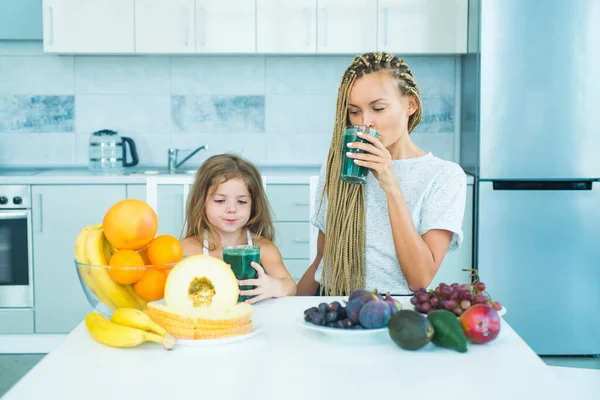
[16, 267]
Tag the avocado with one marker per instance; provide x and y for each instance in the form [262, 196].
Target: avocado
[448, 332]
[410, 330]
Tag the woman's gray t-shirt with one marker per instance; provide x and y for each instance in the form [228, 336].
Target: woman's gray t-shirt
[435, 191]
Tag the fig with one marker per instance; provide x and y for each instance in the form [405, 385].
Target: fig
[375, 314]
[365, 296]
[392, 303]
[353, 308]
[358, 293]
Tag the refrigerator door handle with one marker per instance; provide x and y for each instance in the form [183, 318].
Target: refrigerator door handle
[543, 185]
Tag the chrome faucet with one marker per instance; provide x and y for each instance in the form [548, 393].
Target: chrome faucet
[173, 153]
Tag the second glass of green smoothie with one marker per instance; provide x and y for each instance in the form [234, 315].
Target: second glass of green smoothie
[240, 257]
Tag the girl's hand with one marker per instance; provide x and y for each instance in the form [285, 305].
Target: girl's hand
[378, 159]
[266, 286]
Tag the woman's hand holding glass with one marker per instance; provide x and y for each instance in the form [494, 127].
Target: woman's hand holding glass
[377, 158]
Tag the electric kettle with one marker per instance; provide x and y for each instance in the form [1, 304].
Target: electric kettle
[108, 152]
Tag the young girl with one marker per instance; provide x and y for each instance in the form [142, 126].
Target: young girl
[227, 206]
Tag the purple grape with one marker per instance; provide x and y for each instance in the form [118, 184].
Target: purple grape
[434, 301]
[465, 304]
[457, 311]
[446, 292]
[464, 287]
[422, 298]
[479, 299]
[425, 307]
[455, 295]
[450, 305]
[413, 300]
[467, 296]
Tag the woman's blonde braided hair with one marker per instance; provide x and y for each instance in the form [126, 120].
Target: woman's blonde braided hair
[344, 253]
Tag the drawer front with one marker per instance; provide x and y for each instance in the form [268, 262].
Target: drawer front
[16, 321]
[289, 202]
[292, 239]
[297, 267]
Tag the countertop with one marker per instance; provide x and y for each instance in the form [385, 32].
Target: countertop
[138, 175]
[287, 361]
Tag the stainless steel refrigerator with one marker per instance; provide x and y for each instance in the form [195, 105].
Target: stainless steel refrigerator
[532, 137]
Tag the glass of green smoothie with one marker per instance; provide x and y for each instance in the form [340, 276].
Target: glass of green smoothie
[240, 257]
[352, 173]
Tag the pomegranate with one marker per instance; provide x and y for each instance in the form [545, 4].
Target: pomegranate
[480, 323]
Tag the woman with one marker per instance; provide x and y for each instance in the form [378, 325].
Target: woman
[392, 233]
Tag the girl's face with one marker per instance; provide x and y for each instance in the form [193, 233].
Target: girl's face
[375, 100]
[228, 207]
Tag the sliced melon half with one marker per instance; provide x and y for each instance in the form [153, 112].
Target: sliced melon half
[199, 284]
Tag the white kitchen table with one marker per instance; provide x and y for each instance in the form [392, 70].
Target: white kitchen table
[287, 361]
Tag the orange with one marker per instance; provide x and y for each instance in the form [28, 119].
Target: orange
[130, 224]
[122, 263]
[164, 249]
[144, 253]
[151, 285]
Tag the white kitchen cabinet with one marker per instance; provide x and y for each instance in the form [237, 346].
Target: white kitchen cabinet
[286, 26]
[346, 26]
[422, 26]
[16, 321]
[225, 26]
[91, 26]
[169, 204]
[453, 264]
[59, 212]
[164, 26]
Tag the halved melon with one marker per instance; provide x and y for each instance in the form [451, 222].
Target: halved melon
[199, 284]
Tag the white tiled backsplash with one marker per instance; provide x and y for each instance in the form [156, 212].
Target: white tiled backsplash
[273, 110]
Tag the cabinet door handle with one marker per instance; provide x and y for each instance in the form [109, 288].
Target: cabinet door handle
[186, 25]
[301, 241]
[40, 212]
[202, 12]
[50, 26]
[384, 11]
[308, 20]
[299, 203]
[324, 19]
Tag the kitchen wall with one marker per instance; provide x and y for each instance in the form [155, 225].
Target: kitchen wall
[275, 110]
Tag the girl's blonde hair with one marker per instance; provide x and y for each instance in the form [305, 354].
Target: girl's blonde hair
[214, 171]
[344, 252]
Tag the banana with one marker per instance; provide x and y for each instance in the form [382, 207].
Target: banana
[115, 335]
[136, 319]
[142, 303]
[84, 272]
[94, 249]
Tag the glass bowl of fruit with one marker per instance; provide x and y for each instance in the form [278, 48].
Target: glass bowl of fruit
[114, 278]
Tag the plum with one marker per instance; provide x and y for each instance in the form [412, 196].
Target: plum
[375, 314]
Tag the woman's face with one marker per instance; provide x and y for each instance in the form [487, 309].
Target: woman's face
[228, 207]
[375, 101]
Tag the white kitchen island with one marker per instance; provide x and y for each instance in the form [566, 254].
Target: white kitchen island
[287, 361]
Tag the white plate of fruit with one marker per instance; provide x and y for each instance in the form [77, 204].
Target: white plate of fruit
[365, 313]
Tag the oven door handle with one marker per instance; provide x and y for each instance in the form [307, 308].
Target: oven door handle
[4, 215]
